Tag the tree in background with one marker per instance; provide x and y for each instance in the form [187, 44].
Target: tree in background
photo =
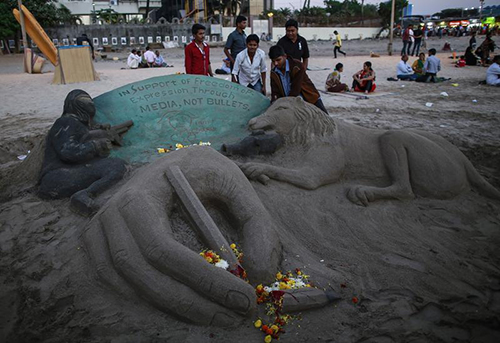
[456, 12]
[384, 11]
[45, 11]
[350, 10]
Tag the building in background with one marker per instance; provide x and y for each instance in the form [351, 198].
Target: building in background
[122, 10]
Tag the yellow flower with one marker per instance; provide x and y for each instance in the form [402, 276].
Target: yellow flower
[279, 276]
[268, 339]
[284, 286]
[258, 323]
[209, 259]
[275, 328]
[179, 146]
[233, 246]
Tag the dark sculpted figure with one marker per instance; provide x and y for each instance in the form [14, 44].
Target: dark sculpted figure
[75, 163]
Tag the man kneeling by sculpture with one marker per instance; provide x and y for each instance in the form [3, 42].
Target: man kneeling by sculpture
[74, 164]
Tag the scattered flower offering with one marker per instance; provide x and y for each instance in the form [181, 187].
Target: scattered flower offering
[179, 146]
[272, 297]
[212, 258]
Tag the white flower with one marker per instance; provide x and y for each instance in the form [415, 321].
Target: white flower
[222, 264]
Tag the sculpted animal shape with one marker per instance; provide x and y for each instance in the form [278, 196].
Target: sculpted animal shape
[388, 164]
[133, 248]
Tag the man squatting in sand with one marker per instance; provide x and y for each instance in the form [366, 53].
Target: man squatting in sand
[289, 78]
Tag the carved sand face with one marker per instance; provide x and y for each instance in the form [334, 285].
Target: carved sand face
[279, 117]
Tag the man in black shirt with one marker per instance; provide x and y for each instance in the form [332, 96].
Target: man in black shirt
[417, 34]
[294, 44]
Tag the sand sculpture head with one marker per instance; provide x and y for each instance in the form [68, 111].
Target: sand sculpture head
[296, 121]
[80, 105]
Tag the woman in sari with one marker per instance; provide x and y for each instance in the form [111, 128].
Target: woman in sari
[418, 65]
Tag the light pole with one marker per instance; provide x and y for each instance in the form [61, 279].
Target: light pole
[481, 4]
[391, 29]
[270, 22]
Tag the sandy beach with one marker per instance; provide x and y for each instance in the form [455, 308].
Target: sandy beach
[426, 270]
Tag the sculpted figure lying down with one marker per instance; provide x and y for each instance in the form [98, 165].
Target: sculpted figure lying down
[132, 246]
[397, 164]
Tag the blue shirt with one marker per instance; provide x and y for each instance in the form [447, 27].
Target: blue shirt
[285, 79]
[236, 42]
[432, 65]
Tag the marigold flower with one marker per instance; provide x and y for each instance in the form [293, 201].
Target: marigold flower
[279, 276]
[260, 289]
[268, 339]
[264, 328]
[233, 246]
[275, 328]
[258, 323]
[355, 300]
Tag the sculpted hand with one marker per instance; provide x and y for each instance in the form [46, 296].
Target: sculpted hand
[132, 246]
[360, 195]
[253, 170]
[103, 146]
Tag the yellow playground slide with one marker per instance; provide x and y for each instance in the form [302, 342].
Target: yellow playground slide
[37, 34]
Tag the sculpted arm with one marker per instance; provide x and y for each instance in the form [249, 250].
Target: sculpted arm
[314, 173]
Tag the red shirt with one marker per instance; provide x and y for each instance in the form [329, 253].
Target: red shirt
[196, 61]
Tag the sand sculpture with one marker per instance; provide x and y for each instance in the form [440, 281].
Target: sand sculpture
[397, 164]
[132, 245]
[75, 163]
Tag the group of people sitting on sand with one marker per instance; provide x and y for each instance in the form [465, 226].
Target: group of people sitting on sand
[363, 80]
[148, 59]
[422, 69]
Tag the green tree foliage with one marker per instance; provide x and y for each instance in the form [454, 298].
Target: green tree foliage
[350, 9]
[45, 11]
[384, 11]
[456, 12]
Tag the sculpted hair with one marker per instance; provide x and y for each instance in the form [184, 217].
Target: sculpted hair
[311, 125]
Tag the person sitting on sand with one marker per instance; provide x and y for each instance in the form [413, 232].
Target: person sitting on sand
[133, 60]
[225, 69]
[431, 67]
[404, 71]
[149, 57]
[484, 50]
[364, 80]
[159, 61]
[461, 62]
[75, 164]
[470, 58]
[418, 65]
[493, 72]
[333, 83]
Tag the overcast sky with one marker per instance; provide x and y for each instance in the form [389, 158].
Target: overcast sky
[419, 6]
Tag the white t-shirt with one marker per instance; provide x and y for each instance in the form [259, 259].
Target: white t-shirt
[149, 56]
[412, 39]
[133, 60]
[249, 72]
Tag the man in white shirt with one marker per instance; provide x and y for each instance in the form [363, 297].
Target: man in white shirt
[404, 70]
[133, 60]
[250, 66]
[493, 72]
[150, 57]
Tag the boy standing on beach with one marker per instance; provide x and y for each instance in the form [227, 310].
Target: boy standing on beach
[250, 66]
[197, 53]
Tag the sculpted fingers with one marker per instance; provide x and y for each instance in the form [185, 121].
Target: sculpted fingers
[162, 291]
[172, 258]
